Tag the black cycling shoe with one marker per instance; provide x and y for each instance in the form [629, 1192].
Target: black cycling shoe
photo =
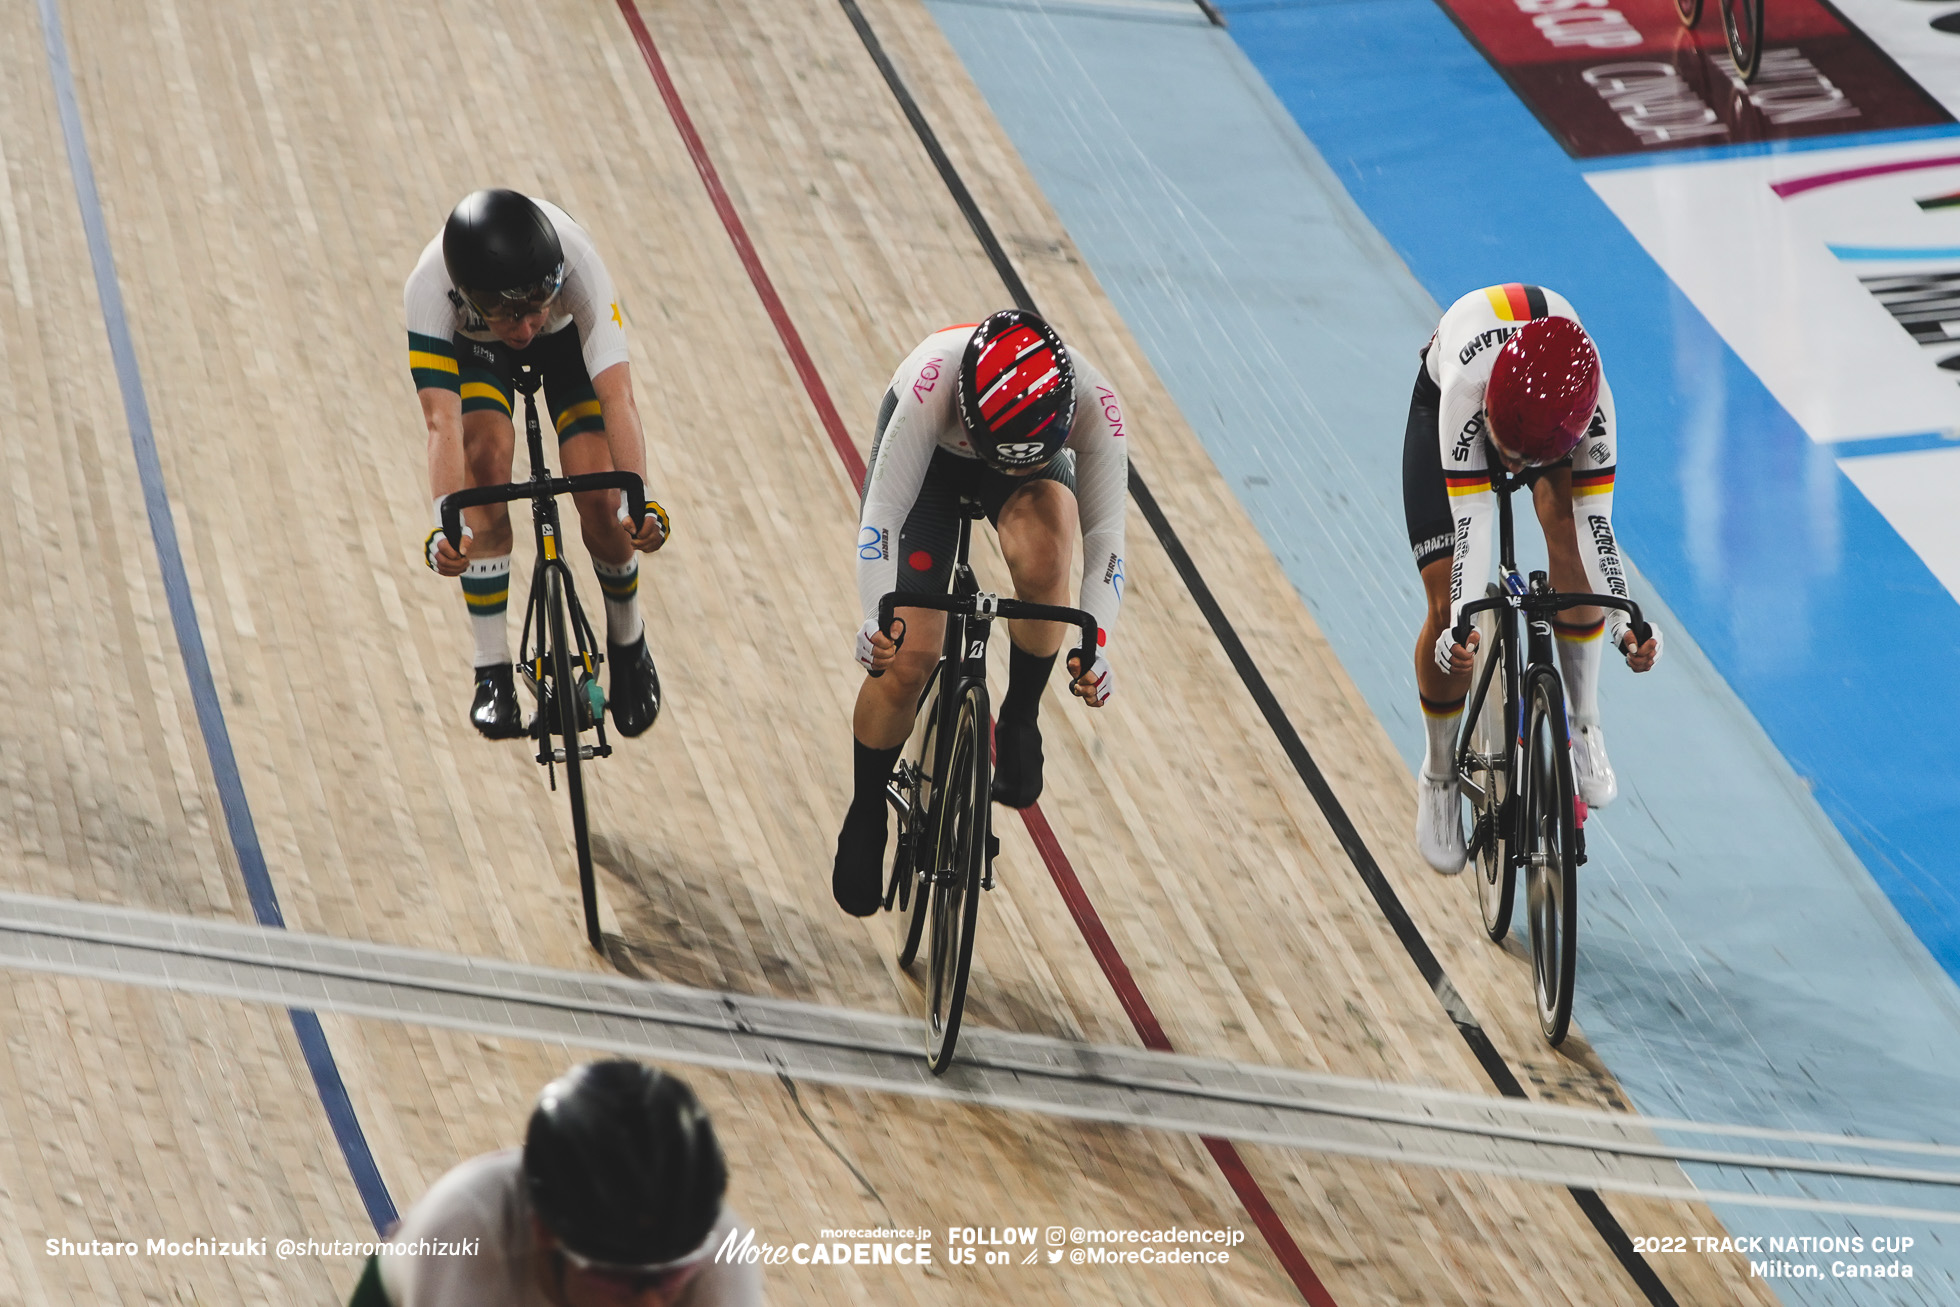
[494, 709]
[857, 876]
[635, 686]
[1017, 763]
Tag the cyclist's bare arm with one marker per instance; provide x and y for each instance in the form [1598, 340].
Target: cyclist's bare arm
[627, 440]
[442, 414]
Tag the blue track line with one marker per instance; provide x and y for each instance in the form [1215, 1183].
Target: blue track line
[190, 639]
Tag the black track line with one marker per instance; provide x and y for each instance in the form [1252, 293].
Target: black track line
[1262, 694]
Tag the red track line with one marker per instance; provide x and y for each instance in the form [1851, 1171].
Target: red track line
[1114, 969]
[744, 248]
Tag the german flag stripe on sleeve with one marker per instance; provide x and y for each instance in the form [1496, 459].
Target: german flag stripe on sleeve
[1473, 484]
[1516, 302]
[432, 362]
[1596, 482]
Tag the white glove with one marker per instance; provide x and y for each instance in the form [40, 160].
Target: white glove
[864, 646]
[429, 544]
[1444, 643]
[1625, 633]
[1103, 683]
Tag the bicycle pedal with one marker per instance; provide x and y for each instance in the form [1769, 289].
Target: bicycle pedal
[993, 846]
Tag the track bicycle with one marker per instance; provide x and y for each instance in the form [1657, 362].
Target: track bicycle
[1514, 765]
[942, 790]
[1742, 24]
[558, 656]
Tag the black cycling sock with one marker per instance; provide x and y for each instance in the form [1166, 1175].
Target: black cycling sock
[870, 769]
[1027, 677]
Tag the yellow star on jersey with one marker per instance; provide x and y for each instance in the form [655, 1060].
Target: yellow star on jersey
[617, 320]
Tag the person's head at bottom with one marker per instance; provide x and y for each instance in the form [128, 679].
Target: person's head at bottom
[625, 1179]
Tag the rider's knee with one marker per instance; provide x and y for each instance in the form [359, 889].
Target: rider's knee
[596, 510]
[912, 666]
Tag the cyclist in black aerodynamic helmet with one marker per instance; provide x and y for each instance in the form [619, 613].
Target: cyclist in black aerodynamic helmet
[617, 1198]
[510, 280]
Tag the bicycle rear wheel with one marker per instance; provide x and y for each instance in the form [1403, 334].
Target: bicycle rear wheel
[1489, 770]
[1689, 10]
[566, 695]
[1551, 854]
[963, 811]
[1742, 23]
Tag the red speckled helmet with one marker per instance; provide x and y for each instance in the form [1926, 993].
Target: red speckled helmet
[1016, 391]
[1543, 389]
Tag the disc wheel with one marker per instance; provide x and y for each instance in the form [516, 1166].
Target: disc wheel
[960, 860]
[566, 699]
[1742, 23]
[1551, 855]
[1489, 771]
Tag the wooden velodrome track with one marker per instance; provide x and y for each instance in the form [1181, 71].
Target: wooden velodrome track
[268, 175]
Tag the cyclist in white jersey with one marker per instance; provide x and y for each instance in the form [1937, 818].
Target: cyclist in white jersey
[1511, 377]
[615, 1200]
[514, 280]
[999, 413]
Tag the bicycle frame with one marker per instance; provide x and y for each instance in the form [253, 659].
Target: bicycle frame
[970, 614]
[547, 631]
[1533, 600]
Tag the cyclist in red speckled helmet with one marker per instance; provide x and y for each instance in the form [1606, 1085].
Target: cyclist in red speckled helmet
[1002, 415]
[1511, 376]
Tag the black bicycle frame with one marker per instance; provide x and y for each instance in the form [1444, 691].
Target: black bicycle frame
[1536, 602]
[543, 489]
[970, 615]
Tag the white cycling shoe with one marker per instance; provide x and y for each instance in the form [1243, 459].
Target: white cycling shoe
[1439, 825]
[1592, 770]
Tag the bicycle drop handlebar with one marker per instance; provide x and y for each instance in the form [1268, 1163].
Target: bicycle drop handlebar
[628, 482]
[987, 605]
[1553, 603]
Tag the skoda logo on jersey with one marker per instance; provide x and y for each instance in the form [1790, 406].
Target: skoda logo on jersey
[1019, 451]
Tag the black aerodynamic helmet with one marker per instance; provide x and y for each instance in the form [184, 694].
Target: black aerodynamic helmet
[622, 1165]
[1016, 390]
[502, 253]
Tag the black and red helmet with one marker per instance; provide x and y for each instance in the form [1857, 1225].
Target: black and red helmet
[1016, 391]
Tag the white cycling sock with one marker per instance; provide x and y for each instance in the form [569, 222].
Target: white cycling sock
[621, 585]
[486, 588]
[1439, 762]
[1579, 649]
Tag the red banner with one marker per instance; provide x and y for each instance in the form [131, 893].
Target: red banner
[1624, 77]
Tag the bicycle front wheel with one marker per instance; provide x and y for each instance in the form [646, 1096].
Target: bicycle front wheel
[963, 811]
[1488, 770]
[1742, 23]
[1551, 854]
[566, 696]
[1689, 10]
